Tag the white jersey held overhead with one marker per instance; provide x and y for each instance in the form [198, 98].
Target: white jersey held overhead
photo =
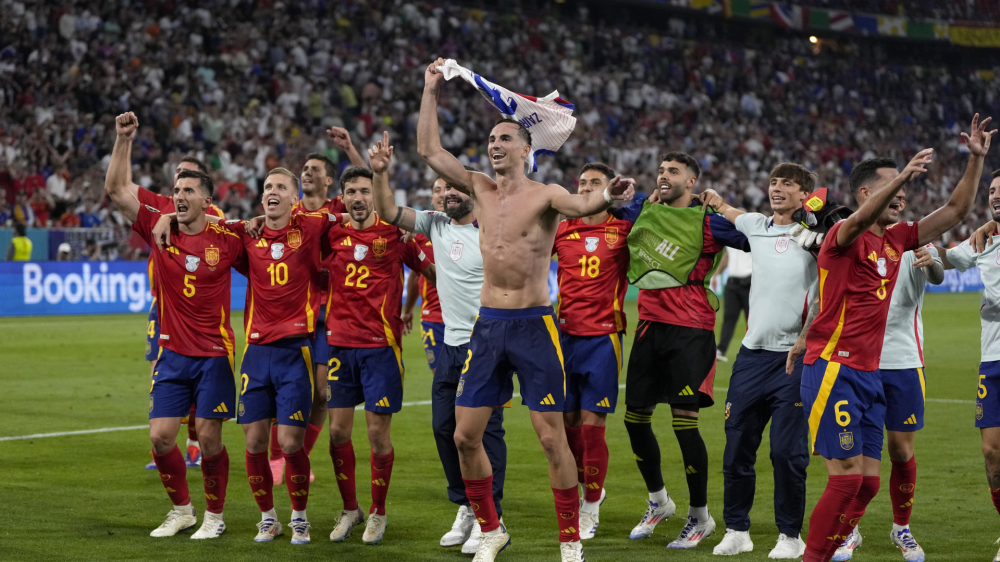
[549, 120]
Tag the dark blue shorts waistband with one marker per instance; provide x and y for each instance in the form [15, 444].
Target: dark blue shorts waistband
[286, 343]
[515, 313]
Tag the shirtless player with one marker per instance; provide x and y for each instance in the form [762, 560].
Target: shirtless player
[516, 329]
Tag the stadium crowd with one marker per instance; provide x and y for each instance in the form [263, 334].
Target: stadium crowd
[207, 80]
[961, 10]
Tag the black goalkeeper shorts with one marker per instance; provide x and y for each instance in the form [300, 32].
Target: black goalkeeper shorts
[671, 365]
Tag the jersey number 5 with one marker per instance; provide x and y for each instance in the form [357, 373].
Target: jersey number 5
[982, 387]
[188, 287]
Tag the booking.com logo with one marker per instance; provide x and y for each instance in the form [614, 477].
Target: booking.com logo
[74, 288]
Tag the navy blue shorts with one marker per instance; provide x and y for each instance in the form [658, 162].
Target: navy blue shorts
[153, 333]
[987, 409]
[433, 335]
[276, 381]
[845, 409]
[369, 376]
[320, 348]
[505, 341]
[593, 367]
[904, 398]
[179, 381]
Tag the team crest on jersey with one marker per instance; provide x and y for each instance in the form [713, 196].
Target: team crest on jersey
[360, 252]
[379, 246]
[847, 440]
[191, 262]
[880, 266]
[277, 250]
[728, 406]
[892, 253]
[590, 243]
[212, 256]
[979, 409]
[294, 238]
[242, 410]
[456, 250]
[461, 388]
[781, 244]
[611, 235]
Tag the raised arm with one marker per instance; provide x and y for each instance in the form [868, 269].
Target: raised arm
[964, 196]
[585, 204]
[342, 139]
[380, 156]
[876, 204]
[429, 136]
[118, 181]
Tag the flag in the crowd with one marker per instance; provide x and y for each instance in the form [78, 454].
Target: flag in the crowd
[782, 77]
[835, 20]
[791, 17]
[865, 24]
[549, 120]
[748, 9]
[920, 29]
[891, 26]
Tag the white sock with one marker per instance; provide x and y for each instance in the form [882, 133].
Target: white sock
[299, 515]
[269, 514]
[189, 508]
[591, 507]
[897, 528]
[699, 513]
[191, 443]
[659, 498]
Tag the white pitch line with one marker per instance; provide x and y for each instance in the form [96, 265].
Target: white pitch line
[361, 407]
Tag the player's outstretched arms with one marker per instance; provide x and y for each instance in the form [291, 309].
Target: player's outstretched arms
[163, 226]
[585, 204]
[929, 260]
[342, 139]
[710, 198]
[380, 156]
[964, 196]
[800, 344]
[429, 136]
[878, 202]
[118, 181]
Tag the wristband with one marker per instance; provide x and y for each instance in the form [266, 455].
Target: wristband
[607, 196]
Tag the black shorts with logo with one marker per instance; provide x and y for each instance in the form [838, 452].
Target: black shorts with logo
[670, 365]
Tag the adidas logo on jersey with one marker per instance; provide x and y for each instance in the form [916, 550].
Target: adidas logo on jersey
[347, 242]
[548, 400]
[297, 416]
[173, 250]
[262, 243]
[604, 403]
[573, 236]
[384, 402]
[221, 409]
[686, 391]
[912, 420]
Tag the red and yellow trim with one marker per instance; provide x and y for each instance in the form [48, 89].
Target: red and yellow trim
[819, 406]
[550, 325]
[389, 337]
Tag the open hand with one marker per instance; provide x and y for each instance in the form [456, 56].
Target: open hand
[793, 355]
[126, 125]
[407, 318]
[380, 155]
[979, 140]
[918, 165]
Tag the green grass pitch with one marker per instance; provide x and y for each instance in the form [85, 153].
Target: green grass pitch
[87, 497]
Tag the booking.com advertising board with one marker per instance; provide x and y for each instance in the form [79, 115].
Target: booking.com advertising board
[46, 288]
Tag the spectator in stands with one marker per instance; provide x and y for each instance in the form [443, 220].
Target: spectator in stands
[65, 252]
[41, 205]
[91, 251]
[19, 248]
[88, 217]
[21, 212]
[5, 213]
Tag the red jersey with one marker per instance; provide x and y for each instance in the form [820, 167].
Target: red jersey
[366, 285]
[193, 293]
[593, 262]
[855, 288]
[430, 305]
[335, 205]
[283, 295]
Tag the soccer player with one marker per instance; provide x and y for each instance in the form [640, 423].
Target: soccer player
[431, 321]
[196, 357]
[363, 329]
[765, 384]
[841, 389]
[516, 329]
[459, 272]
[593, 260]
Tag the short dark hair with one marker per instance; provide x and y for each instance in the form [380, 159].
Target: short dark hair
[797, 173]
[205, 180]
[600, 167]
[867, 170]
[683, 158]
[995, 174]
[522, 131]
[331, 166]
[192, 160]
[354, 172]
[20, 229]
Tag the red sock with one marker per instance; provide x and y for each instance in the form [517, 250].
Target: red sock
[381, 473]
[825, 521]
[215, 471]
[312, 434]
[173, 473]
[275, 446]
[595, 461]
[192, 430]
[343, 467]
[901, 484]
[995, 494]
[261, 481]
[297, 478]
[867, 492]
[479, 492]
[568, 513]
[574, 435]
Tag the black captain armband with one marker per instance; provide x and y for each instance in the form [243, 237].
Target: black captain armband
[399, 215]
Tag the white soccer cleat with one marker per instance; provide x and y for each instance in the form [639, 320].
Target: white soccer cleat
[278, 470]
[997, 558]
[347, 521]
[300, 531]
[461, 529]
[571, 551]
[735, 542]
[720, 356]
[788, 548]
[654, 514]
[693, 533]
[589, 520]
[268, 530]
[903, 539]
[177, 521]
[211, 526]
[846, 550]
[471, 546]
[491, 544]
[374, 529]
